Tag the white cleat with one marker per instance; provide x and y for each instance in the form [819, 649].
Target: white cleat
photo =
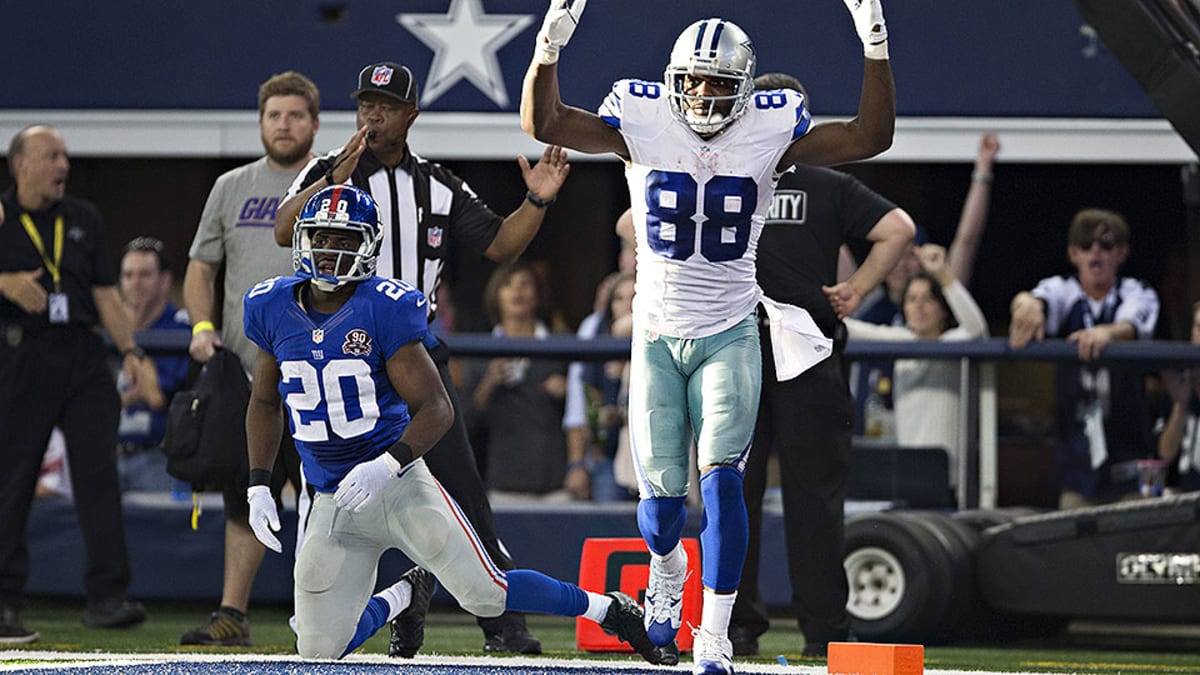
[711, 654]
[664, 602]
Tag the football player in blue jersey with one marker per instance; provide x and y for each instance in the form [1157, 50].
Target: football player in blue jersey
[703, 151]
[342, 350]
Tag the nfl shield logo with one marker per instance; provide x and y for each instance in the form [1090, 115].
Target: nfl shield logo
[318, 335]
[381, 76]
[434, 237]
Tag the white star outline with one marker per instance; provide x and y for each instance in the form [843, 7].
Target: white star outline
[464, 43]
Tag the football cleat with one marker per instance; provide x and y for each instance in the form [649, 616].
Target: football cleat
[624, 619]
[408, 628]
[712, 654]
[664, 602]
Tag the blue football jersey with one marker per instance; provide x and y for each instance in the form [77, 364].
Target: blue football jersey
[342, 408]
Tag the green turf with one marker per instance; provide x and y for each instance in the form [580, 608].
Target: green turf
[449, 632]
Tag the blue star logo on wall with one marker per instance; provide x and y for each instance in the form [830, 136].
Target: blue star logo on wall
[464, 43]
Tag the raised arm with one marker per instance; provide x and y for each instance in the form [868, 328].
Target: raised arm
[343, 166]
[543, 181]
[543, 114]
[973, 219]
[871, 131]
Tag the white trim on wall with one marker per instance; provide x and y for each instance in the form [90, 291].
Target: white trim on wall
[494, 136]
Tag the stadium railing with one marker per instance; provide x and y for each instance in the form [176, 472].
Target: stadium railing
[978, 472]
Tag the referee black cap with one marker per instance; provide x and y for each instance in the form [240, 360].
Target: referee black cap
[389, 79]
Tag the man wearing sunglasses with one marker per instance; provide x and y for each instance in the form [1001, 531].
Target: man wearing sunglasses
[1102, 421]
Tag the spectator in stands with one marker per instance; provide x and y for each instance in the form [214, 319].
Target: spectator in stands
[236, 234]
[57, 285]
[935, 306]
[1179, 426]
[588, 476]
[1101, 415]
[873, 378]
[605, 385]
[519, 399]
[145, 290]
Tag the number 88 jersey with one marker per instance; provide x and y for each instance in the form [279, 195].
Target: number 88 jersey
[699, 204]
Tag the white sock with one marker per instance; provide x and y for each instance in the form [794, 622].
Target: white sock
[716, 611]
[673, 563]
[597, 606]
[397, 596]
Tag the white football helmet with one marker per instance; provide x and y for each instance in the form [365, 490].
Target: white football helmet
[711, 48]
[337, 207]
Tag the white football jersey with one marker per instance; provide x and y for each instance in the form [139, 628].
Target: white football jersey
[699, 205]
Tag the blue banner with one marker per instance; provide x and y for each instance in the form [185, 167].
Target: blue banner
[974, 58]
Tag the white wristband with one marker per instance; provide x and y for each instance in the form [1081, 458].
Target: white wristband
[544, 55]
[877, 52]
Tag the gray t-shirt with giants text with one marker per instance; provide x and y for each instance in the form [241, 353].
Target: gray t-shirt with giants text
[237, 228]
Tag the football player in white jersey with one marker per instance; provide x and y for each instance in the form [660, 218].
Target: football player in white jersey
[342, 351]
[702, 152]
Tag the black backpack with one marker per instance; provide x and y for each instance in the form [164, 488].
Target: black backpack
[205, 443]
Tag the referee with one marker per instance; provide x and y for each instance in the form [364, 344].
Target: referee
[423, 207]
[56, 284]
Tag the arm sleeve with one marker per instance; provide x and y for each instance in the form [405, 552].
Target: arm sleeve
[864, 330]
[971, 324]
[315, 169]
[208, 245]
[859, 208]
[1139, 306]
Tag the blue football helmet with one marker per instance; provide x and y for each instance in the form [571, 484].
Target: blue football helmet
[337, 207]
[710, 48]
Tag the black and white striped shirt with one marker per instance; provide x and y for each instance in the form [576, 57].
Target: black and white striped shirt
[422, 207]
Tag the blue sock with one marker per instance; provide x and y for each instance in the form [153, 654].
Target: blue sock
[532, 591]
[372, 619]
[660, 520]
[725, 529]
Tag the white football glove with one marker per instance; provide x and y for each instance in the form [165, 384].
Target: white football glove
[365, 482]
[868, 22]
[560, 22]
[263, 516]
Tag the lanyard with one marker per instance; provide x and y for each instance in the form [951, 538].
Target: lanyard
[51, 265]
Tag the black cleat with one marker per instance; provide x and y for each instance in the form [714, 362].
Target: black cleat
[507, 634]
[408, 628]
[12, 630]
[114, 613]
[745, 642]
[624, 619]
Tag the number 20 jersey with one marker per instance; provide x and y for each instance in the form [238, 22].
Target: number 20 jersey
[342, 408]
[699, 204]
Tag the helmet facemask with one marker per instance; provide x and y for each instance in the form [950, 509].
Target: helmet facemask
[711, 48]
[340, 209]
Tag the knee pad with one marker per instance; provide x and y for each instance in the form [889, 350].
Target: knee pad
[661, 520]
[321, 645]
[725, 530]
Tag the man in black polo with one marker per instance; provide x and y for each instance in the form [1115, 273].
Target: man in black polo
[56, 284]
[423, 207]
